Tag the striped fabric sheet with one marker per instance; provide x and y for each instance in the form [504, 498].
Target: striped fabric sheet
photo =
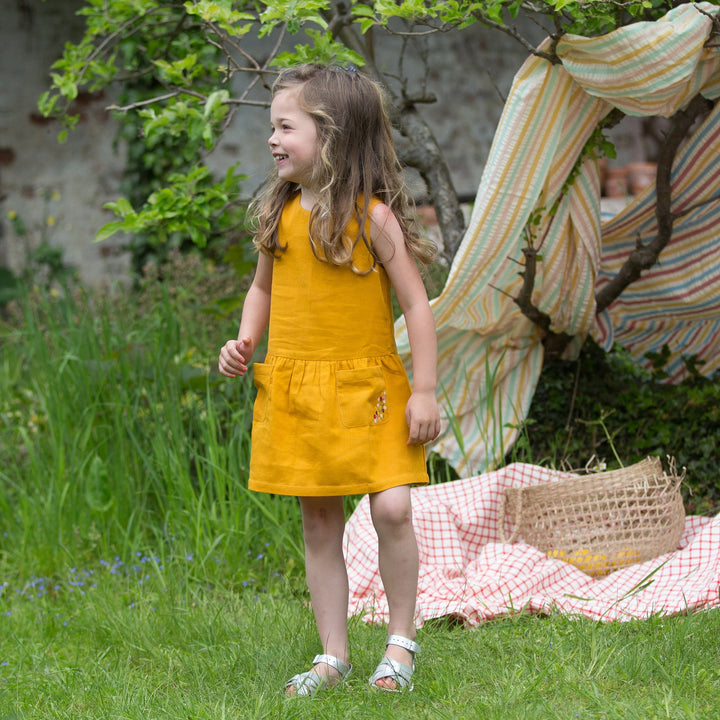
[677, 302]
[490, 355]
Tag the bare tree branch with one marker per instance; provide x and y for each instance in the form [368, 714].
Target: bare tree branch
[645, 256]
[515, 34]
[554, 342]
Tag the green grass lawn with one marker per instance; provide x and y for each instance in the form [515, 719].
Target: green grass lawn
[142, 641]
[140, 579]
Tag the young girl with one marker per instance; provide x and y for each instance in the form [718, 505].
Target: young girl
[334, 413]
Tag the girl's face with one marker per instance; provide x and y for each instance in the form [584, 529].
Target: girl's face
[294, 141]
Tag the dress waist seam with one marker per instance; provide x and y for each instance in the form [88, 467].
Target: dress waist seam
[298, 358]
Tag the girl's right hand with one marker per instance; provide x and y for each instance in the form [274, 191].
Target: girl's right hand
[235, 357]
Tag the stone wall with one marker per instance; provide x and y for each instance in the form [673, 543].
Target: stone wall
[55, 190]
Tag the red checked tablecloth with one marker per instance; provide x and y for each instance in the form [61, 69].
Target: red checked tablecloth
[467, 573]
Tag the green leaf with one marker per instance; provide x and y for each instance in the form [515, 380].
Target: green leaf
[215, 100]
[123, 207]
[108, 230]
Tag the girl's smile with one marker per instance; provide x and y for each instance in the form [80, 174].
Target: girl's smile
[294, 140]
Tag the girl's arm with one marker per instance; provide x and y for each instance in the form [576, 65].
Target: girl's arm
[422, 412]
[235, 355]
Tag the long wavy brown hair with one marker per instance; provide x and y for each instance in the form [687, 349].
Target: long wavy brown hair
[356, 162]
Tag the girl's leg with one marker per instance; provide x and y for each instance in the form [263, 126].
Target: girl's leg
[391, 514]
[323, 527]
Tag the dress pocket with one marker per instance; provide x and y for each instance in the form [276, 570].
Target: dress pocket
[261, 378]
[362, 397]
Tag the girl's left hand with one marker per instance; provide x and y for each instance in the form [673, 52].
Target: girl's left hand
[423, 418]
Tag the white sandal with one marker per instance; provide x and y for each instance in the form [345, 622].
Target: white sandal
[308, 683]
[397, 671]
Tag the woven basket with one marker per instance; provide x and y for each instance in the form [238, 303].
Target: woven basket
[599, 522]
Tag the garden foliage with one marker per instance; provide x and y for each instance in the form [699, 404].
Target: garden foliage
[117, 433]
[181, 70]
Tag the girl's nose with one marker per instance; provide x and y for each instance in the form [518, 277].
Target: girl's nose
[271, 140]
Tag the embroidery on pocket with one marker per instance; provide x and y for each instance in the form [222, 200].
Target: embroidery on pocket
[361, 397]
[380, 409]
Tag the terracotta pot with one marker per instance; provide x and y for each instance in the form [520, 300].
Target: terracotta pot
[640, 175]
[616, 182]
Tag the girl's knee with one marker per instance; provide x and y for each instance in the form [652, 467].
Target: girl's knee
[391, 509]
[322, 516]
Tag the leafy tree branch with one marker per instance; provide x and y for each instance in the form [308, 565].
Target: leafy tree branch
[184, 68]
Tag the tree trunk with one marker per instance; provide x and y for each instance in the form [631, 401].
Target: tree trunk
[420, 151]
[645, 256]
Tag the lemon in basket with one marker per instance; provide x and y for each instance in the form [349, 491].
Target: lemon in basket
[590, 562]
[625, 557]
[599, 564]
[580, 559]
[558, 554]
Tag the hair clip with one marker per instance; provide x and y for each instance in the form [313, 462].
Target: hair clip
[345, 68]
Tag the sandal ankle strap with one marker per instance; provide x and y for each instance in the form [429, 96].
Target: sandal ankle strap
[403, 642]
[334, 663]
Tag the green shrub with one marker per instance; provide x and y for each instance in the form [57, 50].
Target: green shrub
[117, 433]
[603, 405]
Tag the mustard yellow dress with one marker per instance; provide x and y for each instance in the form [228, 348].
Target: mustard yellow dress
[329, 416]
